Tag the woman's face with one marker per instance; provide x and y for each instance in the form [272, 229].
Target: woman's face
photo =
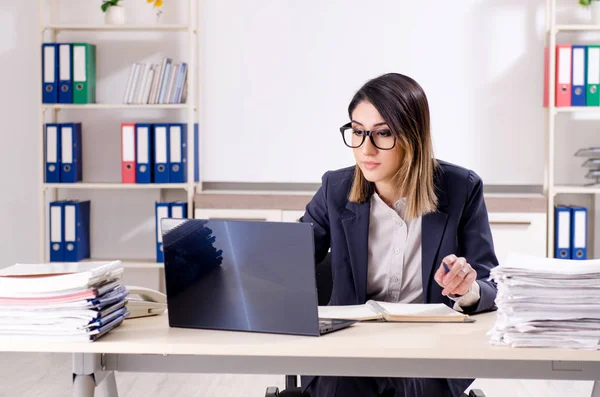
[377, 165]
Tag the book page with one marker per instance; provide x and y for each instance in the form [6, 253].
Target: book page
[419, 310]
[350, 312]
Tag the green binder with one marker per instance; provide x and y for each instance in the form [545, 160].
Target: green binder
[592, 97]
[84, 73]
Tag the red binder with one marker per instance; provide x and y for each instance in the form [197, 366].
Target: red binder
[128, 152]
[563, 74]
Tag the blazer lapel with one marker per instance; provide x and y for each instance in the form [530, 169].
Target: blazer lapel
[356, 229]
[433, 227]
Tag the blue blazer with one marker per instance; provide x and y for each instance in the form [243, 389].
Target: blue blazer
[460, 226]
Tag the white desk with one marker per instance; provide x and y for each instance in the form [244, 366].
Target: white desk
[365, 349]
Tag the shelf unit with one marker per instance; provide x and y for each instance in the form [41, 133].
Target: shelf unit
[550, 189]
[115, 28]
[109, 106]
[117, 186]
[49, 32]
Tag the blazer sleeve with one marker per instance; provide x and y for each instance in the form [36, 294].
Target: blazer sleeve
[316, 214]
[476, 244]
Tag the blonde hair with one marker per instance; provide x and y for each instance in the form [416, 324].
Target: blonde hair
[403, 105]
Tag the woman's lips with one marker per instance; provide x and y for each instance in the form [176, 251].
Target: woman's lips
[370, 165]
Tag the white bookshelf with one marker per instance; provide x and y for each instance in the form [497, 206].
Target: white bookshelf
[50, 31]
[576, 28]
[550, 188]
[565, 189]
[116, 28]
[113, 186]
[577, 109]
[132, 264]
[109, 106]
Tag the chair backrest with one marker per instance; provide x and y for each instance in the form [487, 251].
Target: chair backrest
[324, 280]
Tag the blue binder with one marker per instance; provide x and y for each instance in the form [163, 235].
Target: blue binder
[144, 164]
[161, 153]
[71, 153]
[57, 253]
[578, 75]
[65, 73]
[178, 153]
[562, 232]
[178, 210]
[196, 154]
[76, 216]
[52, 152]
[163, 210]
[49, 73]
[579, 226]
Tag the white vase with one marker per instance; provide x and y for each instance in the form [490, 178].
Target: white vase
[595, 8]
[115, 15]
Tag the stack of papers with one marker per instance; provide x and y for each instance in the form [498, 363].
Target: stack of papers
[546, 302]
[62, 301]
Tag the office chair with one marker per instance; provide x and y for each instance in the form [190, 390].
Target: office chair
[324, 287]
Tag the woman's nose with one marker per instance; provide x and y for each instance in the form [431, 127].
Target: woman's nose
[368, 149]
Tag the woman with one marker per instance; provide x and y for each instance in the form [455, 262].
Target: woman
[394, 220]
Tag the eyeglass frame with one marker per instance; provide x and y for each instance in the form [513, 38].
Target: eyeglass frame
[364, 134]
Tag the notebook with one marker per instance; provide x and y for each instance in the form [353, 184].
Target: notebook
[396, 312]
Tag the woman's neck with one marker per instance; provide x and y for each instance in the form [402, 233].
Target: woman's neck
[387, 192]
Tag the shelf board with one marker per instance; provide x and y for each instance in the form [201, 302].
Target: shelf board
[132, 263]
[117, 28]
[577, 28]
[572, 109]
[133, 186]
[574, 189]
[113, 106]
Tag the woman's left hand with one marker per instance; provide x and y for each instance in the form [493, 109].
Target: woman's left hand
[459, 279]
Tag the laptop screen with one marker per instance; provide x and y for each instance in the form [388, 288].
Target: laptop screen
[240, 275]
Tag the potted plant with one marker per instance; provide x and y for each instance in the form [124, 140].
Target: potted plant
[594, 6]
[114, 13]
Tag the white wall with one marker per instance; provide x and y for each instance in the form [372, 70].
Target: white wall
[287, 73]
[19, 117]
[495, 103]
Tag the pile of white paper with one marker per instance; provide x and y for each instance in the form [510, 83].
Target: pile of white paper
[547, 302]
[79, 301]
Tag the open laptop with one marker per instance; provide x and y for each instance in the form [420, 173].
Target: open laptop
[242, 275]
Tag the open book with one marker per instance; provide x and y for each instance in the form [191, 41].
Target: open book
[396, 312]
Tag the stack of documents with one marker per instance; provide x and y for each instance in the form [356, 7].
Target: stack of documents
[547, 302]
[62, 301]
[592, 163]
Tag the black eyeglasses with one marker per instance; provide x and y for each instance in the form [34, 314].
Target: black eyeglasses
[382, 139]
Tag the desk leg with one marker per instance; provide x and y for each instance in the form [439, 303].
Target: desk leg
[596, 389]
[109, 386]
[89, 371]
[83, 386]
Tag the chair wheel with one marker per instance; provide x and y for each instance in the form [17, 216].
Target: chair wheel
[272, 392]
[476, 393]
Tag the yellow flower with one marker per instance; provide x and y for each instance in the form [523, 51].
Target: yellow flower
[157, 3]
